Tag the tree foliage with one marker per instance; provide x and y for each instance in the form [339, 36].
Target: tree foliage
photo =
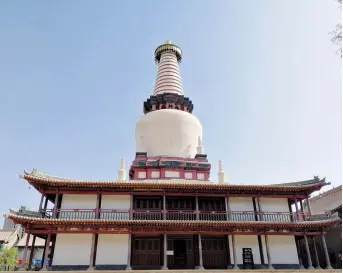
[337, 34]
[8, 258]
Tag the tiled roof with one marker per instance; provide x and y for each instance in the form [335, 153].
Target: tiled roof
[326, 193]
[131, 223]
[36, 179]
[38, 242]
[313, 181]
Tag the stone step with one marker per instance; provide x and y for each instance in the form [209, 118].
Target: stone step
[206, 271]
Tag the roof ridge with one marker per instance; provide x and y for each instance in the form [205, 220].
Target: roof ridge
[159, 182]
[36, 174]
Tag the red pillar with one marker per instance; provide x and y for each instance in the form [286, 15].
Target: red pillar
[26, 248]
[46, 251]
[128, 266]
[91, 256]
[201, 263]
[309, 258]
[165, 257]
[54, 214]
[260, 213]
[309, 207]
[327, 258]
[32, 250]
[234, 253]
[270, 266]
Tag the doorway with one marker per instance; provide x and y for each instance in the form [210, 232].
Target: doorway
[180, 255]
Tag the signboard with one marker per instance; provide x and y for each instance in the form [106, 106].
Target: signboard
[170, 252]
[37, 262]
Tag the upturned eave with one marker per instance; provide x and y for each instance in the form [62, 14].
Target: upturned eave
[37, 179]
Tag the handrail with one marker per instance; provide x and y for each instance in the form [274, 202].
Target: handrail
[184, 215]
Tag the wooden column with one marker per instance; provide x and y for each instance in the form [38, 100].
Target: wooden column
[52, 248]
[309, 207]
[296, 209]
[316, 253]
[259, 208]
[91, 256]
[309, 259]
[165, 257]
[46, 203]
[98, 204]
[201, 263]
[54, 213]
[26, 248]
[227, 208]
[95, 236]
[164, 207]
[234, 253]
[45, 206]
[301, 266]
[197, 208]
[296, 205]
[270, 266]
[41, 204]
[327, 258]
[32, 251]
[228, 218]
[46, 251]
[128, 265]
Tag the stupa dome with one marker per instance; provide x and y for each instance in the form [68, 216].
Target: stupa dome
[168, 132]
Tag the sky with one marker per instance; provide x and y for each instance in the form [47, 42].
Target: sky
[263, 77]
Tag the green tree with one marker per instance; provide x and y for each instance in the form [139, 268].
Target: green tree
[8, 258]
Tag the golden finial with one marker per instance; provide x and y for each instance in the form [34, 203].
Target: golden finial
[168, 42]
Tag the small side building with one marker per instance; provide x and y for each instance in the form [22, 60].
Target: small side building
[38, 249]
[324, 206]
[8, 238]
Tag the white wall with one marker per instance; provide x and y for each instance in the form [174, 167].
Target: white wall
[282, 249]
[240, 204]
[72, 249]
[120, 202]
[112, 249]
[275, 205]
[115, 202]
[172, 174]
[155, 174]
[245, 241]
[78, 201]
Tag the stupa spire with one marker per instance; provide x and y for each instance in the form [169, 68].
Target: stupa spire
[221, 173]
[168, 80]
[200, 148]
[121, 171]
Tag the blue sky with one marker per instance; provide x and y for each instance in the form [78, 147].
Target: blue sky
[263, 76]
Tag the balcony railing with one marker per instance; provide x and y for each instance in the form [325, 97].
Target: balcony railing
[178, 215]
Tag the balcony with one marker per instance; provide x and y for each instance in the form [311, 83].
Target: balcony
[176, 215]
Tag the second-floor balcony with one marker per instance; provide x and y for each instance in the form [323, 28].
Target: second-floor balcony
[176, 215]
